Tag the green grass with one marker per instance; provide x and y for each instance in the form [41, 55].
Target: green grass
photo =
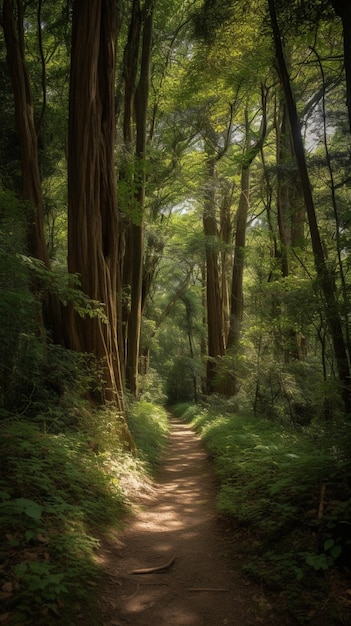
[58, 494]
[290, 490]
[149, 427]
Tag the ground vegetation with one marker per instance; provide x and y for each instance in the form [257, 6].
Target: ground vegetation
[174, 227]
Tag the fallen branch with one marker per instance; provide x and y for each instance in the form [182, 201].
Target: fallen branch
[151, 570]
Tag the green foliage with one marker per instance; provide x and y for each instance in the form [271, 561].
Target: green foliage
[271, 476]
[290, 489]
[17, 306]
[54, 492]
[149, 427]
[185, 410]
[48, 383]
[152, 387]
[128, 187]
[103, 427]
[58, 492]
[37, 379]
[292, 392]
[66, 286]
[180, 380]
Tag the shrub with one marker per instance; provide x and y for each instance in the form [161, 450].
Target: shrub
[149, 427]
[54, 493]
[290, 490]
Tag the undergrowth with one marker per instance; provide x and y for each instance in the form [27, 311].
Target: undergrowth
[287, 492]
[58, 492]
[149, 427]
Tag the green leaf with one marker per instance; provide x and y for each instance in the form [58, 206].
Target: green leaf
[328, 544]
[29, 534]
[317, 561]
[20, 569]
[335, 552]
[29, 507]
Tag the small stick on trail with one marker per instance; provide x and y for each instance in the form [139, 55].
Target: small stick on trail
[151, 570]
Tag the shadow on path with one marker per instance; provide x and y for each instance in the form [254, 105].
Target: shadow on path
[200, 587]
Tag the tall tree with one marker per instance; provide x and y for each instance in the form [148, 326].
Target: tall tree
[215, 150]
[251, 150]
[13, 26]
[325, 279]
[136, 74]
[136, 239]
[13, 20]
[92, 210]
[343, 9]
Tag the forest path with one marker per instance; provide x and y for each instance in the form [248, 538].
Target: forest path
[202, 586]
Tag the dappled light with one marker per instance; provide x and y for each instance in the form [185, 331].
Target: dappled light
[175, 235]
[201, 586]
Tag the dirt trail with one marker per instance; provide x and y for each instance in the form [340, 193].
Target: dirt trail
[202, 586]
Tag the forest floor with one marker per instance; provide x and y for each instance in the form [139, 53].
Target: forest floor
[176, 525]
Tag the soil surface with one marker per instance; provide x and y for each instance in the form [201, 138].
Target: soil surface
[177, 526]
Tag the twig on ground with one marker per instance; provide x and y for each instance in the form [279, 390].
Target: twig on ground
[151, 570]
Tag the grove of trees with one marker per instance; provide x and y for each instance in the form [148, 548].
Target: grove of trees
[175, 188]
[175, 227]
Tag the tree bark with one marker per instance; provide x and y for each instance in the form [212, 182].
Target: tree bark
[215, 330]
[50, 317]
[343, 9]
[236, 300]
[136, 70]
[27, 136]
[130, 74]
[137, 226]
[283, 189]
[225, 236]
[291, 214]
[92, 210]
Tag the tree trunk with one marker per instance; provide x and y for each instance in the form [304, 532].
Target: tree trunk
[215, 329]
[236, 300]
[92, 210]
[130, 73]
[137, 59]
[137, 227]
[31, 189]
[291, 215]
[27, 136]
[283, 189]
[225, 235]
[343, 9]
[326, 282]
